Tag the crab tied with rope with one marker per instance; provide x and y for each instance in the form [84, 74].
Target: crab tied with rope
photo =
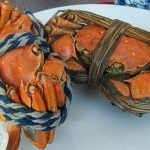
[109, 54]
[35, 89]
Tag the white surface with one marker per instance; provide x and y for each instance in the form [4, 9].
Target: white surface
[93, 123]
[3, 136]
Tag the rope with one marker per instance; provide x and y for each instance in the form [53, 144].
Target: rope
[104, 51]
[17, 113]
[37, 25]
[21, 39]
[26, 117]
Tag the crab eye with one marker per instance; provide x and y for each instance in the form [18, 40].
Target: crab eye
[36, 50]
[20, 27]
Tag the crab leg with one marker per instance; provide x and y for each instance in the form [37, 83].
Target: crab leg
[51, 135]
[53, 92]
[14, 136]
[14, 15]
[59, 94]
[2, 118]
[49, 98]
[63, 23]
[5, 13]
[13, 130]
[25, 98]
[49, 94]
[53, 30]
[13, 95]
[75, 18]
[38, 105]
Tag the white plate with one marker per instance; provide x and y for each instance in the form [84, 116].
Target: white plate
[93, 123]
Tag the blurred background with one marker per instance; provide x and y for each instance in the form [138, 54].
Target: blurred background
[38, 5]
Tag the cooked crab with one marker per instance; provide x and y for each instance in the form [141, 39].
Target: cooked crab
[31, 79]
[75, 35]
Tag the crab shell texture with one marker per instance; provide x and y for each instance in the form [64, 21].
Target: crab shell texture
[31, 79]
[75, 38]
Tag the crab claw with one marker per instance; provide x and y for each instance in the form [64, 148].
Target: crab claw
[64, 47]
[5, 12]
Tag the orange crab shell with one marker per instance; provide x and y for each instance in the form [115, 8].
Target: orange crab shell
[13, 21]
[138, 87]
[17, 67]
[40, 91]
[121, 87]
[131, 53]
[64, 47]
[22, 24]
[88, 37]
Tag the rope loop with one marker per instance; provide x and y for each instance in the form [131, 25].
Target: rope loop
[104, 50]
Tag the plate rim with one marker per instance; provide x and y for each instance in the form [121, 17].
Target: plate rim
[105, 5]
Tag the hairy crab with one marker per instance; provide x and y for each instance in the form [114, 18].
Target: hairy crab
[31, 78]
[77, 35]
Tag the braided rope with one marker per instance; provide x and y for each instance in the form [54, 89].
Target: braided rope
[17, 113]
[21, 39]
[37, 25]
